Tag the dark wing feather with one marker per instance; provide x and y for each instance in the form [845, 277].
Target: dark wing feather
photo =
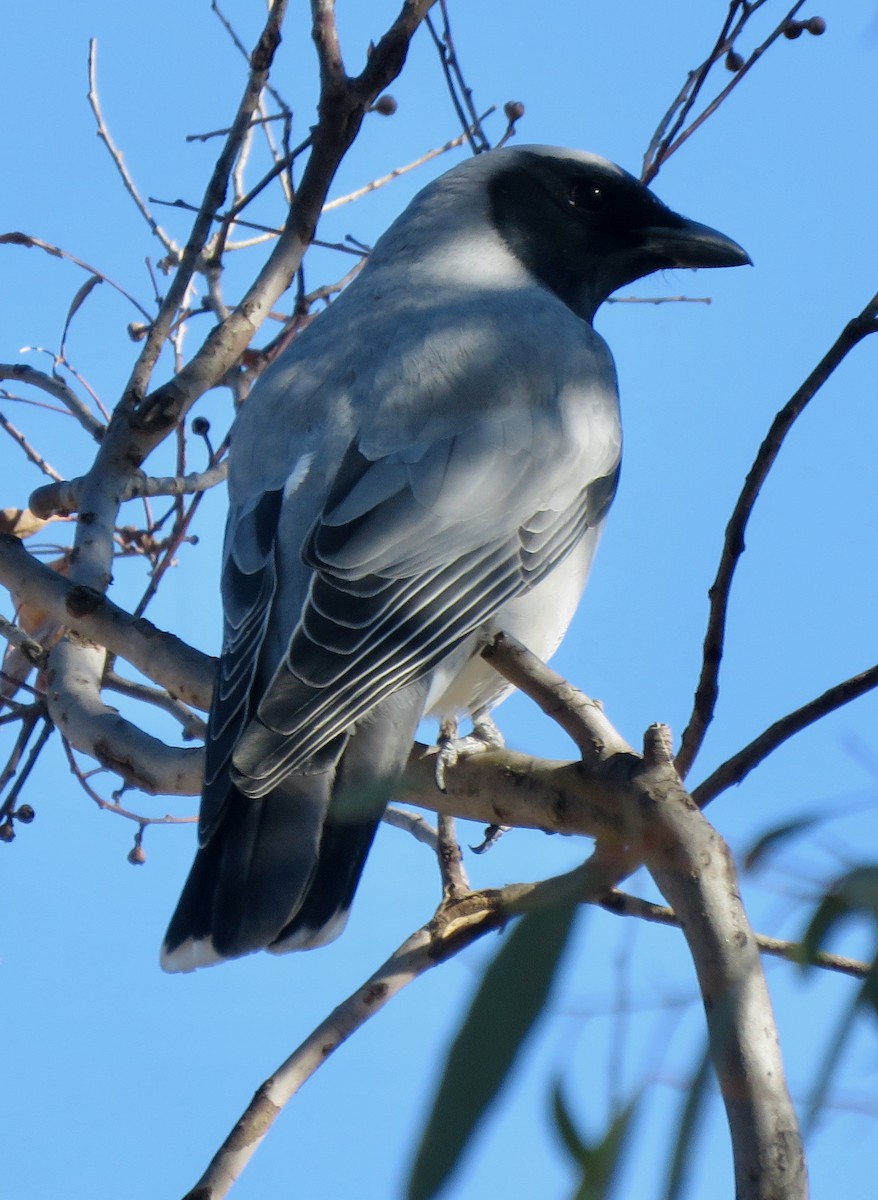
[249, 583]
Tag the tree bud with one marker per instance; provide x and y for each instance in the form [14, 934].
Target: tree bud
[386, 105]
[137, 855]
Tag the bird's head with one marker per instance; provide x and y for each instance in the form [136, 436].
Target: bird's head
[578, 223]
[585, 227]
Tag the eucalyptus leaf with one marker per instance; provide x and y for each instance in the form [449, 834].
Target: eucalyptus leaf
[509, 1000]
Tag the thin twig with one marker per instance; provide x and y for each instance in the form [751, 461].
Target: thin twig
[23, 642]
[623, 904]
[214, 195]
[736, 768]
[25, 239]
[63, 497]
[11, 801]
[397, 172]
[460, 92]
[413, 823]
[30, 453]
[176, 539]
[28, 725]
[707, 691]
[665, 140]
[193, 728]
[116, 155]
[451, 869]
[262, 119]
[113, 806]
[242, 50]
[659, 300]
[54, 386]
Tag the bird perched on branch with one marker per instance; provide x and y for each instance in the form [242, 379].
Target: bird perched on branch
[431, 462]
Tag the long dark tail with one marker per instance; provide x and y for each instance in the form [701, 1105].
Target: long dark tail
[280, 871]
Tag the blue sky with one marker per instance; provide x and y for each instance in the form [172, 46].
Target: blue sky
[120, 1081]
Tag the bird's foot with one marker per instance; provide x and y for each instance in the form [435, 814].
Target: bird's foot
[493, 834]
[485, 736]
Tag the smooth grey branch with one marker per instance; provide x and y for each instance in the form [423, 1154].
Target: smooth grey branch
[162, 657]
[63, 497]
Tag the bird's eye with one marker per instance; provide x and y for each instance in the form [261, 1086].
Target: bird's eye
[587, 197]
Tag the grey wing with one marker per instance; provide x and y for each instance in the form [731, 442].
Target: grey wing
[249, 583]
[412, 552]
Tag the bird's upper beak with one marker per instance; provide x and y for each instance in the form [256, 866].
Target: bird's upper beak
[684, 243]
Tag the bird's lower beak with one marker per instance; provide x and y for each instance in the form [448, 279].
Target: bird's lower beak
[685, 243]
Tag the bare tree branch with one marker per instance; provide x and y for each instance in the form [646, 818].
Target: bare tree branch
[162, 657]
[25, 239]
[707, 691]
[694, 869]
[672, 131]
[193, 728]
[32, 650]
[63, 496]
[10, 812]
[33, 456]
[56, 387]
[458, 89]
[621, 904]
[455, 883]
[455, 925]
[413, 823]
[583, 719]
[736, 768]
[73, 697]
[398, 172]
[113, 806]
[116, 155]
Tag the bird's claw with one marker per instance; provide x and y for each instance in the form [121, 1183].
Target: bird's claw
[493, 835]
[450, 747]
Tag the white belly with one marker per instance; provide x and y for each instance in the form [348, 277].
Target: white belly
[464, 682]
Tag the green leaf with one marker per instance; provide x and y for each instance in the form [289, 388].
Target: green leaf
[510, 997]
[598, 1161]
[828, 1066]
[869, 991]
[687, 1131]
[574, 1143]
[855, 892]
[774, 838]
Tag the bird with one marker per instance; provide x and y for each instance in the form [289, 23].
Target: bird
[429, 463]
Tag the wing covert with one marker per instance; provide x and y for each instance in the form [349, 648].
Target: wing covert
[411, 554]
